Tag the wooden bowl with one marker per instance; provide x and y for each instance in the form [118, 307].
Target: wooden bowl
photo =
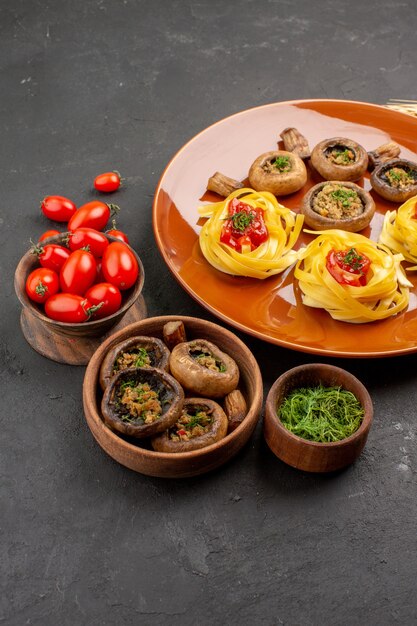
[138, 456]
[65, 342]
[307, 455]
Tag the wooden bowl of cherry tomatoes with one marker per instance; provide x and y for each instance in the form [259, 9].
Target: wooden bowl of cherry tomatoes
[77, 292]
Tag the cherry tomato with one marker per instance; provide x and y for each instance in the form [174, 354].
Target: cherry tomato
[94, 214]
[41, 284]
[118, 234]
[58, 208]
[69, 307]
[47, 234]
[107, 182]
[348, 267]
[94, 240]
[107, 294]
[119, 265]
[52, 256]
[78, 272]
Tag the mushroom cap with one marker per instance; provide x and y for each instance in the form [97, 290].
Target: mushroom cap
[276, 182]
[351, 224]
[333, 171]
[199, 379]
[171, 396]
[380, 184]
[158, 354]
[218, 429]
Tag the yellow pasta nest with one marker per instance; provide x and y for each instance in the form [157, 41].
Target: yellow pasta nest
[399, 231]
[385, 293]
[272, 256]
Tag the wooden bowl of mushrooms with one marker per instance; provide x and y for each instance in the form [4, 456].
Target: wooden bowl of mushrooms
[172, 396]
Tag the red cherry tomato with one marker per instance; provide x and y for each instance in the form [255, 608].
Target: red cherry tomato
[41, 284]
[118, 234]
[94, 214]
[58, 208]
[94, 240]
[69, 307]
[78, 272]
[107, 182]
[119, 265]
[348, 267]
[47, 234]
[107, 294]
[52, 256]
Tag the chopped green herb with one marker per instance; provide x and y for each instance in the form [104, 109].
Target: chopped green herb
[345, 196]
[241, 220]
[142, 358]
[282, 163]
[342, 157]
[321, 414]
[353, 259]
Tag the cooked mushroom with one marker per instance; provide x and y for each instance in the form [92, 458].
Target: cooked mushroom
[338, 204]
[279, 172]
[142, 402]
[295, 142]
[339, 159]
[174, 333]
[201, 367]
[201, 423]
[235, 408]
[223, 185]
[384, 153]
[396, 180]
[134, 352]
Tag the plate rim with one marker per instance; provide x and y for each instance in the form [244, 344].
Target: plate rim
[218, 314]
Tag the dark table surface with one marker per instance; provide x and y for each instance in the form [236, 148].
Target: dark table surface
[89, 86]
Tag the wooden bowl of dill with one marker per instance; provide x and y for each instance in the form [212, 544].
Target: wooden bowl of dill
[317, 417]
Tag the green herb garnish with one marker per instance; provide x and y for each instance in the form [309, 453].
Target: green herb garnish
[282, 163]
[142, 358]
[342, 156]
[241, 220]
[345, 196]
[353, 259]
[321, 414]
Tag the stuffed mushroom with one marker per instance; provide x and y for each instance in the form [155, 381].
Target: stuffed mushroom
[202, 368]
[279, 172]
[396, 180]
[201, 423]
[339, 159]
[138, 351]
[142, 402]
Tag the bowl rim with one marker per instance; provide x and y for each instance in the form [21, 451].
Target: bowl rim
[93, 369]
[275, 422]
[19, 286]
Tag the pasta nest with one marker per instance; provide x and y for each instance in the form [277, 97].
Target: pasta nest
[399, 231]
[385, 294]
[272, 256]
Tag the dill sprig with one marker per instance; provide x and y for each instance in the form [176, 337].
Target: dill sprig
[321, 414]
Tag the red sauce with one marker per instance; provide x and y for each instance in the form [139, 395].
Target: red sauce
[244, 228]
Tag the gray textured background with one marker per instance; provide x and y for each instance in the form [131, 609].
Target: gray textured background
[88, 86]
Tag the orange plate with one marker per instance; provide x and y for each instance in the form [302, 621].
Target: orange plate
[271, 309]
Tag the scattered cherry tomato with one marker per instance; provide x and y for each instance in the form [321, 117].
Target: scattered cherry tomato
[119, 265]
[108, 182]
[107, 294]
[47, 234]
[69, 307]
[58, 208]
[94, 214]
[348, 267]
[52, 256]
[88, 238]
[41, 284]
[78, 272]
